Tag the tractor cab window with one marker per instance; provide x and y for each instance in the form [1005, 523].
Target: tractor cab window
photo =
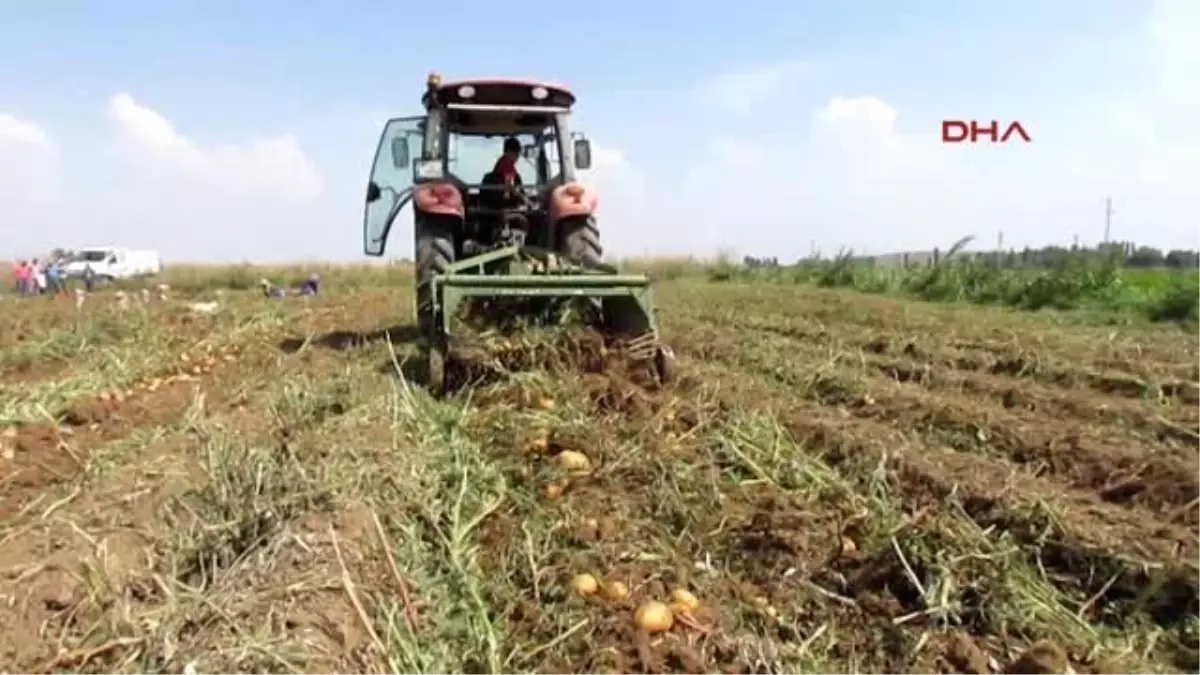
[473, 157]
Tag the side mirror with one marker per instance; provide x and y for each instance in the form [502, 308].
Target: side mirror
[400, 152]
[372, 192]
[583, 154]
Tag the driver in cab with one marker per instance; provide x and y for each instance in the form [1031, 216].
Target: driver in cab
[505, 171]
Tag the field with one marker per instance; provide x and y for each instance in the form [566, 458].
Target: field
[844, 481]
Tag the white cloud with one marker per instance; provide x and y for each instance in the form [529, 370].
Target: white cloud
[17, 131]
[159, 187]
[276, 164]
[28, 172]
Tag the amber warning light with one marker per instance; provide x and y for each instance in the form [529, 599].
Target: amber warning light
[994, 131]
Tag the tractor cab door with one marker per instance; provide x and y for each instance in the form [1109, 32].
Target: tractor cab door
[391, 184]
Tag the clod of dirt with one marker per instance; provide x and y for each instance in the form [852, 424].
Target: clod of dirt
[90, 411]
[1043, 657]
[878, 345]
[56, 590]
[1012, 399]
[965, 656]
[613, 393]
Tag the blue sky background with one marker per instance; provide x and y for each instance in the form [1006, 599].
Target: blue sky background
[718, 125]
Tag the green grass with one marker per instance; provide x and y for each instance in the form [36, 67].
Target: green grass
[1079, 283]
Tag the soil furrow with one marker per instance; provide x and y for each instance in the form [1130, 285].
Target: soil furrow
[1120, 469]
[1014, 363]
[843, 440]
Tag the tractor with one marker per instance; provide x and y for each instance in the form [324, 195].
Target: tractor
[480, 233]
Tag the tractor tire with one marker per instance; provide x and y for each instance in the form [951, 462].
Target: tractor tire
[435, 364]
[579, 238]
[435, 252]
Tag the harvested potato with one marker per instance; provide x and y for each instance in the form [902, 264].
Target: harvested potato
[615, 590]
[585, 584]
[653, 616]
[683, 600]
[574, 461]
[554, 490]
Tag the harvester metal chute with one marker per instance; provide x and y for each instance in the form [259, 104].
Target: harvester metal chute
[498, 237]
[620, 305]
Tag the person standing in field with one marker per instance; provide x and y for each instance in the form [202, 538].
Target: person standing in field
[26, 282]
[89, 278]
[38, 285]
[19, 277]
[54, 278]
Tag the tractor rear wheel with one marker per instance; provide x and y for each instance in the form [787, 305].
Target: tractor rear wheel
[579, 238]
[435, 252]
[435, 363]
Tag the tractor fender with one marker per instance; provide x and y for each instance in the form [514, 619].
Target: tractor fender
[572, 199]
[443, 199]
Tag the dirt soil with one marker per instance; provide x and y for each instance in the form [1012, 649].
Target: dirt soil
[839, 482]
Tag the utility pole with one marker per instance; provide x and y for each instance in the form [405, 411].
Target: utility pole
[1108, 214]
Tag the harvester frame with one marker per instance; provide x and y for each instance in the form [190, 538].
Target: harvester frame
[493, 239]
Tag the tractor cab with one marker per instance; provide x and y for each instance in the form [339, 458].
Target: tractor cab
[443, 162]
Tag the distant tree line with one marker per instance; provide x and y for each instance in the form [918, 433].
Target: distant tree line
[751, 261]
[1125, 254]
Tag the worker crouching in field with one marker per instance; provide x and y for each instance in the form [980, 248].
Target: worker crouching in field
[270, 290]
[311, 286]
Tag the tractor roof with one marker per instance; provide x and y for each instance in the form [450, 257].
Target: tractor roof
[496, 91]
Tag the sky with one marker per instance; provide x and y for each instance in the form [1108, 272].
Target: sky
[229, 130]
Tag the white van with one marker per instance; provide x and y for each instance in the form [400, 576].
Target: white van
[110, 262]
